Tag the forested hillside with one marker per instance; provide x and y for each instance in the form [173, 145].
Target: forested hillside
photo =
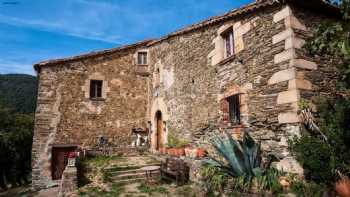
[18, 91]
[17, 106]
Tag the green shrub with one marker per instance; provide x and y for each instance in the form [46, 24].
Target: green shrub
[303, 189]
[317, 158]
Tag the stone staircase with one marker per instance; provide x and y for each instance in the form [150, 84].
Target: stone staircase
[131, 174]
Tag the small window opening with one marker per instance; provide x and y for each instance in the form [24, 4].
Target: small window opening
[234, 109]
[96, 89]
[142, 58]
[228, 42]
[157, 77]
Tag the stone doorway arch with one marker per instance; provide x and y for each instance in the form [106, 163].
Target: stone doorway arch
[158, 117]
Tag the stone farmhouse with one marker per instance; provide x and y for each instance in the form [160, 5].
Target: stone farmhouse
[246, 70]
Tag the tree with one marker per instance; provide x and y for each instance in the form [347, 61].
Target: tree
[16, 132]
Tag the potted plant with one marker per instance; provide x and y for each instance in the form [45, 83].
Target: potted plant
[190, 152]
[181, 145]
[180, 151]
[176, 146]
[171, 151]
[343, 186]
[172, 141]
[163, 150]
[201, 153]
[72, 159]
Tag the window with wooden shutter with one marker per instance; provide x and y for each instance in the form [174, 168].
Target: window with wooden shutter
[228, 42]
[234, 109]
[225, 111]
[96, 89]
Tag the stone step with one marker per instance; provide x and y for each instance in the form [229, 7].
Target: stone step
[134, 176]
[129, 181]
[124, 168]
[134, 171]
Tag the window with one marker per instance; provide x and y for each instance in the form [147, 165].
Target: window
[234, 109]
[142, 58]
[228, 42]
[96, 89]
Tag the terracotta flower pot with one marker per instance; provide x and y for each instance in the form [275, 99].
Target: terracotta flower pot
[193, 153]
[72, 155]
[343, 187]
[180, 152]
[172, 151]
[284, 182]
[162, 150]
[201, 153]
[188, 151]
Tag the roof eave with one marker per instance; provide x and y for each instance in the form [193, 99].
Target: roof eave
[91, 54]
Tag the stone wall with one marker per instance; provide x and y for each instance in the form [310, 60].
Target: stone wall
[187, 91]
[66, 115]
[255, 74]
[69, 182]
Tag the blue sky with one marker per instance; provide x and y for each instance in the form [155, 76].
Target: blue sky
[35, 30]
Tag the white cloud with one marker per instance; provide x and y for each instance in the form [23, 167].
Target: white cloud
[15, 67]
[62, 28]
[91, 19]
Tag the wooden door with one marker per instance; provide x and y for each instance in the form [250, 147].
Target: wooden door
[59, 161]
[159, 130]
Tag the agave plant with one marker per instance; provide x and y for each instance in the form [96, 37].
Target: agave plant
[243, 157]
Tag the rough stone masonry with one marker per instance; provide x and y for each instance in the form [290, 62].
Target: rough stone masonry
[184, 81]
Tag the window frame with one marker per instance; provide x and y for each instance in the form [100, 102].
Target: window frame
[142, 58]
[234, 109]
[96, 89]
[229, 42]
